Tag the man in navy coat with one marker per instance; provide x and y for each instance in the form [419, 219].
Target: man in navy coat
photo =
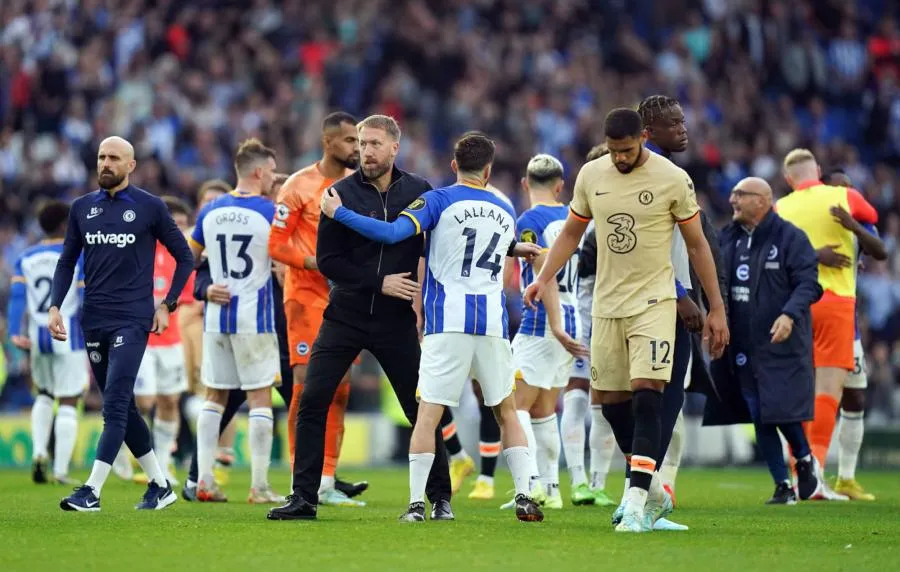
[766, 376]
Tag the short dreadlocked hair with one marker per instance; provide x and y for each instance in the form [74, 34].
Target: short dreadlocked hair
[654, 107]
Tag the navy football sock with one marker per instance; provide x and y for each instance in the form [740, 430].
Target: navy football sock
[647, 404]
[454, 447]
[621, 420]
[488, 433]
[673, 395]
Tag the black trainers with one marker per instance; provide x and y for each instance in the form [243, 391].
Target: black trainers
[296, 508]
[807, 481]
[415, 513]
[351, 489]
[527, 510]
[784, 494]
[441, 510]
[39, 471]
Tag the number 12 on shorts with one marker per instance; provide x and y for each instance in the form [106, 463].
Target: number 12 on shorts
[659, 352]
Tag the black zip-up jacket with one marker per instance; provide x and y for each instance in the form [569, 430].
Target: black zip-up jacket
[356, 266]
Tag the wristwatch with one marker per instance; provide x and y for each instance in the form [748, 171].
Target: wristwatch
[170, 305]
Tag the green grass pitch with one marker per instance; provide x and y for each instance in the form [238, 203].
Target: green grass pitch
[730, 530]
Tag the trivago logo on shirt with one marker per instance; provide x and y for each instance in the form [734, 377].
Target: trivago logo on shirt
[120, 240]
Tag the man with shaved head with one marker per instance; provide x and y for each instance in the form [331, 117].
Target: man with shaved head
[773, 280]
[117, 228]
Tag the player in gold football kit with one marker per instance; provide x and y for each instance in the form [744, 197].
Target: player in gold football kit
[634, 197]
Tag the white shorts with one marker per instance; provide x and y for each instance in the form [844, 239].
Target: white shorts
[240, 361]
[450, 359]
[858, 378]
[60, 375]
[162, 372]
[541, 361]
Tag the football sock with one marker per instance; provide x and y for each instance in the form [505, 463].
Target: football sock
[575, 407]
[150, 464]
[646, 405]
[66, 429]
[451, 439]
[99, 473]
[489, 441]
[208, 425]
[850, 438]
[602, 442]
[41, 421]
[546, 436]
[260, 422]
[419, 467]
[525, 421]
[519, 463]
[164, 434]
[822, 427]
[671, 462]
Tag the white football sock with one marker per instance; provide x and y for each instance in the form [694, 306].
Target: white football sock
[419, 467]
[193, 405]
[66, 429]
[525, 422]
[99, 474]
[546, 437]
[656, 492]
[575, 408]
[850, 438]
[122, 464]
[207, 436]
[150, 464]
[669, 470]
[41, 421]
[635, 499]
[326, 484]
[603, 446]
[164, 435]
[519, 463]
[260, 428]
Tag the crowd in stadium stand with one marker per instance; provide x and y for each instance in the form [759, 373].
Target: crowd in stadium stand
[186, 81]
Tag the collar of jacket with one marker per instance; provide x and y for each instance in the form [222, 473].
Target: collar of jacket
[760, 231]
[650, 145]
[396, 175]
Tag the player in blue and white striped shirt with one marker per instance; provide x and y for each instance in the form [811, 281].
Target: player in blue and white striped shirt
[470, 235]
[240, 347]
[59, 368]
[542, 346]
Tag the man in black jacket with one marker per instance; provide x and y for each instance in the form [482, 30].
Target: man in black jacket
[370, 307]
[766, 376]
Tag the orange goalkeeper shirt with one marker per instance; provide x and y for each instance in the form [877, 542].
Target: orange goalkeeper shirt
[294, 229]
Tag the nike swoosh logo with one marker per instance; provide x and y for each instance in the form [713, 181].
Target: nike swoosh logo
[597, 193]
[90, 216]
[91, 504]
[119, 345]
[655, 368]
